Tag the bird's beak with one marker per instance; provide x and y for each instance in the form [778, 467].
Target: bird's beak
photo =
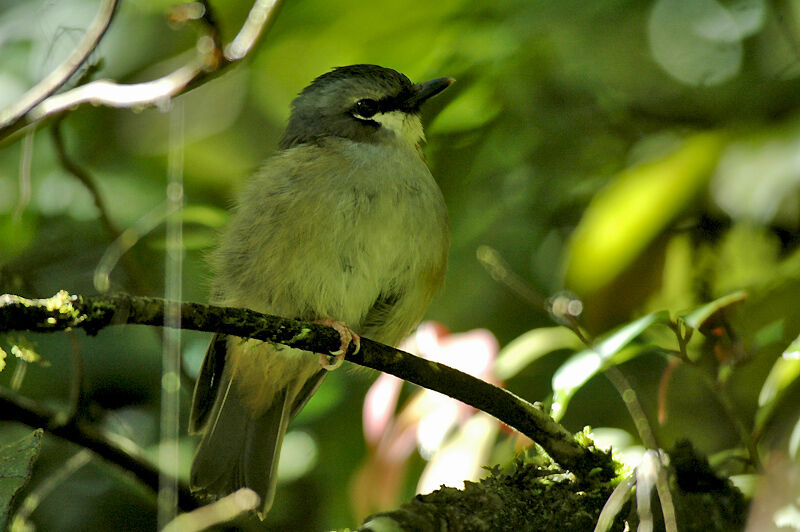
[429, 89]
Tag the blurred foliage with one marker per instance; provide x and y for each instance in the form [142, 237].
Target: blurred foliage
[642, 155]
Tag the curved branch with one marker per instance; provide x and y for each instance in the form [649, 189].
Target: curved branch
[83, 176]
[210, 62]
[111, 447]
[112, 94]
[259, 20]
[64, 311]
[15, 113]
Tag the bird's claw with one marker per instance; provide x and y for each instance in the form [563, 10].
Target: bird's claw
[333, 360]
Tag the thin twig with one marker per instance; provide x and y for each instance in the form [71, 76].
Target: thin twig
[14, 114]
[135, 276]
[665, 496]
[499, 269]
[635, 409]
[45, 488]
[94, 313]
[83, 176]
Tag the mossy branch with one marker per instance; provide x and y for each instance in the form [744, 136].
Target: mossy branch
[64, 311]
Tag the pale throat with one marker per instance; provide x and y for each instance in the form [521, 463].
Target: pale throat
[406, 127]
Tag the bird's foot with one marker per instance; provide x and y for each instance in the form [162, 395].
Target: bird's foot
[335, 358]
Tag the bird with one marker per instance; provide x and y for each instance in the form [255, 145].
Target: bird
[344, 225]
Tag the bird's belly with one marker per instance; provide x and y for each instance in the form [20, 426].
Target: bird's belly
[382, 248]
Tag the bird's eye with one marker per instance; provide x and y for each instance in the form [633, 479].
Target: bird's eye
[366, 108]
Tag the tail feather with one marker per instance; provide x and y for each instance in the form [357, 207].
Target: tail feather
[240, 446]
[262, 449]
[217, 455]
[238, 451]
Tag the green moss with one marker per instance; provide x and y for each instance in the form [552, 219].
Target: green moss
[532, 495]
[302, 335]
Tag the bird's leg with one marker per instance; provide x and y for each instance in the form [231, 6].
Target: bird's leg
[335, 358]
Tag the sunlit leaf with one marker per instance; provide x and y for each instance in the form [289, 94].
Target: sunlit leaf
[611, 350]
[783, 374]
[622, 220]
[793, 351]
[16, 464]
[530, 346]
[794, 441]
[700, 317]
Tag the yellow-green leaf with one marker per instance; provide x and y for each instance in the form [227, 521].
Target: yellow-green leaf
[641, 202]
[611, 350]
[528, 347]
[698, 318]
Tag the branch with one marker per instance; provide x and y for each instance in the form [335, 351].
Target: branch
[64, 311]
[111, 447]
[14, 115]
[83, 176]
[209, 61]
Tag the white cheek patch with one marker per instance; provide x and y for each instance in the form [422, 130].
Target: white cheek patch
[405, 126]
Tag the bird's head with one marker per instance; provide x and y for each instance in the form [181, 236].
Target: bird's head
[363, 103]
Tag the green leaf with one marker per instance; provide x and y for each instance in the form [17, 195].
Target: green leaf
[627, 216]
[532, 345]
[783, 374]
[609, 351]
[701, 317]
[16, 464]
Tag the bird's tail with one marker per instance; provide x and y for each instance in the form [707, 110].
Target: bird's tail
[239, 447]
[238, 450]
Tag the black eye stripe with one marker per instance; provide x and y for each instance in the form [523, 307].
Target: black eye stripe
[385, 104]
[365, 108]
